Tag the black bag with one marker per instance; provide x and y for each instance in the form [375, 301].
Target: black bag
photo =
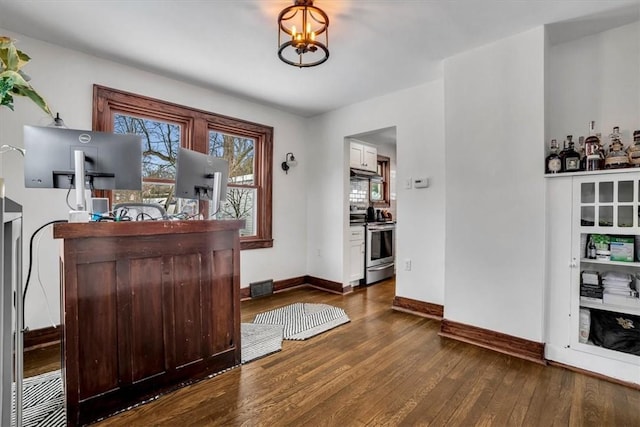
[615, 331]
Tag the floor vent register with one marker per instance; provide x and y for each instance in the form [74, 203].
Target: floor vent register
[261, 289]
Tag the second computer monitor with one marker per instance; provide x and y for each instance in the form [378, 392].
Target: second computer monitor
[200, 176]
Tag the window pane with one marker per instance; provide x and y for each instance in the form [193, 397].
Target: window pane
[376, 191]
[625, 191]
[605, 216]
[588, 192]
[606, 192]
[238, 151]
[240, 204]
[160, 142]
[587, 216]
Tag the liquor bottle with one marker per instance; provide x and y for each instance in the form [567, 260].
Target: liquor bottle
[552, 163]
[583, 157]
[571, 158]
[591, 249]
[593, 150]
[634, 150]
[617, 157]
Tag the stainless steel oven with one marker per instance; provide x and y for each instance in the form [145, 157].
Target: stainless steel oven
[380, 252]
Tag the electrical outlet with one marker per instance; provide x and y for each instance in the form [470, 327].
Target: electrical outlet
[407, 265]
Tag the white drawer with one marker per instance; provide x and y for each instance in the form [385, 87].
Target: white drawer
[357, 233]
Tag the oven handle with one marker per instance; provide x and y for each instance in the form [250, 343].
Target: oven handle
[381, 267]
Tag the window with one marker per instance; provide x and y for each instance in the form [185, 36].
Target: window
[379, 192]
[242, 191]
[165, 127]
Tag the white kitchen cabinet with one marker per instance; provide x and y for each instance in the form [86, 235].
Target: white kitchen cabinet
[356, 251]
[578, 207]
[363, 157]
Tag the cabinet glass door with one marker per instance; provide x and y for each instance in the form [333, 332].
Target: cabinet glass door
[609, 203]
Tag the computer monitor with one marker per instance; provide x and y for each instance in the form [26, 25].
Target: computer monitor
[111, 161]
[61, 158]
[200, 176]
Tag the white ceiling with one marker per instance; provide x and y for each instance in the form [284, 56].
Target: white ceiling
[377, 46]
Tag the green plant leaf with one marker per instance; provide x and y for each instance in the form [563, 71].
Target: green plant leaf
[15, 77]
[11, 58]
[5, 41]
[29, 92]
[12, 81]
[6, 85]
[23, 56]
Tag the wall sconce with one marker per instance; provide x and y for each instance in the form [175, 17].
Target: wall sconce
[289, 162]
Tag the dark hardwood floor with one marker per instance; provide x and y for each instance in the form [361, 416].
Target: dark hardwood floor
[383, 368]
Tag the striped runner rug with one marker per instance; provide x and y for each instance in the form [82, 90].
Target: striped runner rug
[304, 320]
[259, 340]
[43, 401]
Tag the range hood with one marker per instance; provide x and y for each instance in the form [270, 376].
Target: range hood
[363, 174]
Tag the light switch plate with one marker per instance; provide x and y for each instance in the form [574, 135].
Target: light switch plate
[421, 182]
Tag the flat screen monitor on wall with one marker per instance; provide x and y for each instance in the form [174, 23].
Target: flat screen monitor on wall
[111, 161]
[200, 176]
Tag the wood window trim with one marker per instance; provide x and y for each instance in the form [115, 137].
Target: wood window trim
[196, 125]
[386, 181]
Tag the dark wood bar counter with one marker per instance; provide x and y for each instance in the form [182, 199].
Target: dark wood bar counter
[147, 307]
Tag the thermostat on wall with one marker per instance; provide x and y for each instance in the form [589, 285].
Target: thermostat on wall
[421, 182]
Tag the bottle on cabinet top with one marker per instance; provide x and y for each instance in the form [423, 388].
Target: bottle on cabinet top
[570, 157]
[617, 157]
[553, 164]
[593, 150]
[634, 150]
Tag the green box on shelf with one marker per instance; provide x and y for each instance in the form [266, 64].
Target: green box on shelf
[622, 248]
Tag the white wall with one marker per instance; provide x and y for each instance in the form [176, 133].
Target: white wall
[494, 115]
[417, 114]
[595, 78]
[65, 79]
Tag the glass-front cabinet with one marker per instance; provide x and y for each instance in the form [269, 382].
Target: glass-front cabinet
[605, 308]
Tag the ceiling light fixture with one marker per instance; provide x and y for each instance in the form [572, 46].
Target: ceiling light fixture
[305, 30]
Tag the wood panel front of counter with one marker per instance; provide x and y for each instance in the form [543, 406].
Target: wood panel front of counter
[147, 307]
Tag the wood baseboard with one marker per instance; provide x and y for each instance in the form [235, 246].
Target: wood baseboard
[278, 286]
[497, 341]
[419, 308]
[43, 337]
[283, 285]
[327, 285]
[595, 375]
